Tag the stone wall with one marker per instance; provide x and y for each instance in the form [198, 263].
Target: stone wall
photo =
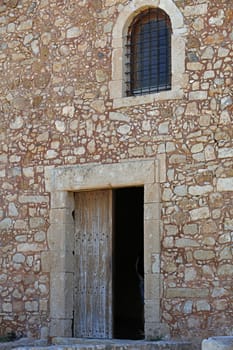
[56, 109]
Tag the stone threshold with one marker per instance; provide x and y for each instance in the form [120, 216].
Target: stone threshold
[23, 343]
[98, 344]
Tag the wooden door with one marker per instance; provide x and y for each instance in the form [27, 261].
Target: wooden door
[93, 270]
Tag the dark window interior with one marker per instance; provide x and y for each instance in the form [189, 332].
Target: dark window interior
[149, 53]
[128, 310]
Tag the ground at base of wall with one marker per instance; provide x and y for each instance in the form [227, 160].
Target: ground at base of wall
[23, 343]
[96, 344]
[213, 343]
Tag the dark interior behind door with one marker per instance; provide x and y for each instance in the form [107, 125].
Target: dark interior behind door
[128, 309]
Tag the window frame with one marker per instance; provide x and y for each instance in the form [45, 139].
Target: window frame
[117, 84]
[143, 43]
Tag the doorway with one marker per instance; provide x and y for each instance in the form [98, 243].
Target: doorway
[109, 264]
[128, 263]
[66, 185]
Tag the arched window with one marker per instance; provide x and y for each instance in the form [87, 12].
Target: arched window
[148, 52]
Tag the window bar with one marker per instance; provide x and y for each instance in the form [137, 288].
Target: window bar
[158, 54]
[151, 59]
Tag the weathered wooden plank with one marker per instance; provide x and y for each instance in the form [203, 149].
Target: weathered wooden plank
[93, 273]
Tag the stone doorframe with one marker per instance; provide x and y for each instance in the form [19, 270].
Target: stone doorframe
[62, 182]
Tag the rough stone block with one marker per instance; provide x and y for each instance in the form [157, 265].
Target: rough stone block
[33, 199]
[196, 10]
[186, 242]
[200, 213]
[187, 292]
[217, 343]
[198, 95]
[200, 190]
[203, 254]
[225, 184]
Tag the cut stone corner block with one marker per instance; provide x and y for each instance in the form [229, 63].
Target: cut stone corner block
[61, 301]
[60, 327]
[62, 199]
[218, 343]
[156, 331]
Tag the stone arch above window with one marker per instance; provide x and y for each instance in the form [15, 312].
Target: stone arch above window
[118, 83]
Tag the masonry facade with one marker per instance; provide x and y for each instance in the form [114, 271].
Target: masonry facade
[67, 127]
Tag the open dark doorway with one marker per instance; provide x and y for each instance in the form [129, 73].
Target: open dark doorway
[128, 260]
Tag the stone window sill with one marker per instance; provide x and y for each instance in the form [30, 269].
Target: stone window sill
[173, 94]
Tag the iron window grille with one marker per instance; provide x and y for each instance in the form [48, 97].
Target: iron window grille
[148, 53]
